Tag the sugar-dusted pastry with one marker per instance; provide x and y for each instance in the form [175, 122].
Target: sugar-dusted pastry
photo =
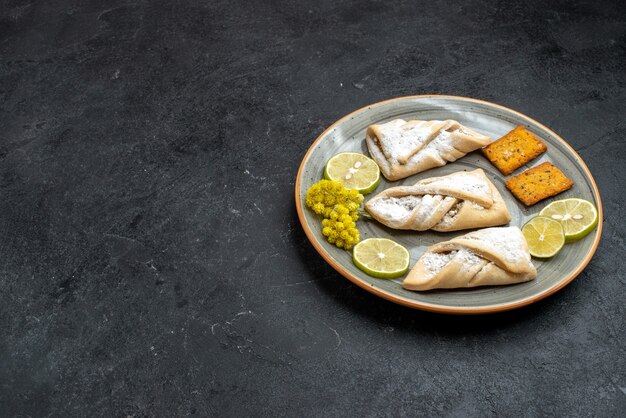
[487, 257]
[404, 148]
[460, 200]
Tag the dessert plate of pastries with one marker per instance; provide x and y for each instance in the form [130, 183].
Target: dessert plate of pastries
[459, 178]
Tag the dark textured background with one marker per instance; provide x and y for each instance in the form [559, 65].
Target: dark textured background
[151, 259]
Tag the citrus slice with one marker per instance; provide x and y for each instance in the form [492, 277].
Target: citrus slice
[577, 216]
[354, 171]
[381, 258]
[544, 236]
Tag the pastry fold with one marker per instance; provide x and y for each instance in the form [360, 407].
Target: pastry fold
[402, 148]
[460, 200]
[487, 257]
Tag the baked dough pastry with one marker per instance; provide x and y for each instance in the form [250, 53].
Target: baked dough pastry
[402, 148]
[487, 257]
[460, 200]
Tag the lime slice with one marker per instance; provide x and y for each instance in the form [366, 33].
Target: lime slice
[381, 258]
[354, 171]
[577, 216]
[544, 236]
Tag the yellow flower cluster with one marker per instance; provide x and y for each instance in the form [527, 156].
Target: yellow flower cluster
[338, 206]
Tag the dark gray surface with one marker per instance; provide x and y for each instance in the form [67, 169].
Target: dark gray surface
[152, 262]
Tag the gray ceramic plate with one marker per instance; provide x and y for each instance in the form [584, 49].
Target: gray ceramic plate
[348, 134]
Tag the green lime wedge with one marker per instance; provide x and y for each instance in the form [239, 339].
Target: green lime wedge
[354, 171]
[577, 216]
[544, 236]
[381, 258]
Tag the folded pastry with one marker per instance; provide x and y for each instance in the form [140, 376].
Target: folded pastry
[492, 256]
[404, 148]
[460, 200]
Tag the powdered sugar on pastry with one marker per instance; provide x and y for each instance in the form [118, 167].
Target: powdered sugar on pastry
[434, 262]
[448, 218]
[402, 148]
[492, 256]
[505, 241]
[403, 139]
[396, 208]
[471, 182]
[459, 200]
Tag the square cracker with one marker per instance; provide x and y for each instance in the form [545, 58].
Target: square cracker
[514, 150]
[538, 183]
